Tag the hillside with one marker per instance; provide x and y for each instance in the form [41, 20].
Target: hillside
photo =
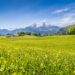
[71, 29]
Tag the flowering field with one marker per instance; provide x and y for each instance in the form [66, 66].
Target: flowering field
[30, 55]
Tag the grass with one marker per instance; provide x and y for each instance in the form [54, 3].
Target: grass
[31, 55]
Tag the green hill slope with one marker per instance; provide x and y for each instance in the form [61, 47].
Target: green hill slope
[71, 29]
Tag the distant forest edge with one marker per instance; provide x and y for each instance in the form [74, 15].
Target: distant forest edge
[42, 30]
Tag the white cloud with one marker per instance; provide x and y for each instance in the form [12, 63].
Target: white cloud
[67, 19]
[60, 10]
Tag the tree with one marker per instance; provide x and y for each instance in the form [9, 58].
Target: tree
[27, 33]
[35, 34]
[9, 35]
[71, 30]
[20, 33]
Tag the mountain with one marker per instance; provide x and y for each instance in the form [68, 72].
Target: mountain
[62, 31]
[44, 29]
[4, 31]
[48, 29]
[39, 30]
[67, 30]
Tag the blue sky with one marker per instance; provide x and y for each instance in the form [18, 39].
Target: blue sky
[22, 13]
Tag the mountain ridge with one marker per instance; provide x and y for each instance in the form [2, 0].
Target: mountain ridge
[44, 29]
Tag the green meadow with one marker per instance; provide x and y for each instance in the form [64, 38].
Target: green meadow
[37, 55]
